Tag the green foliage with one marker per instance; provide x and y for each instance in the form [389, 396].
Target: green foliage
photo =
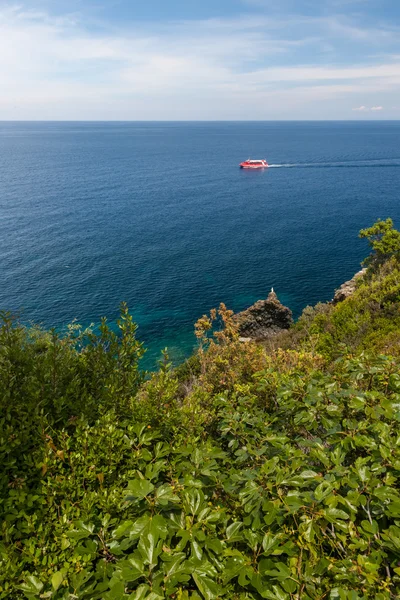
[384, 240]
[83, 372]
[248, 472]
[294, 502]
[368, 320]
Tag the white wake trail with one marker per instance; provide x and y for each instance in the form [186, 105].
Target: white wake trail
[384, 162]
[288, 165]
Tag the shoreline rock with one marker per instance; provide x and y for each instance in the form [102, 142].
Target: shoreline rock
[264, 319]
[347, 288]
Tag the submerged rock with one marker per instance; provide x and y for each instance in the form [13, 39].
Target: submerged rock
[264, 319]
[348, 287]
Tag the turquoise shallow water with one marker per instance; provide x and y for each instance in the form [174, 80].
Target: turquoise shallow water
[160, 215]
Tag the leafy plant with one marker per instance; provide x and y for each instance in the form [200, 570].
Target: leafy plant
[249, 472]
[384, 240]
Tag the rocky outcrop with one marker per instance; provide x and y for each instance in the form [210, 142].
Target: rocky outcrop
[348, 288]
[264, 319]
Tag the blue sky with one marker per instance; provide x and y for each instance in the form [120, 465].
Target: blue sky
[172, 60]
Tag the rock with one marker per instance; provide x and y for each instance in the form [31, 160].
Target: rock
[264, 319]
[348, 288]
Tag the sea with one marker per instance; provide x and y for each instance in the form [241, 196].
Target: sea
[159, 214]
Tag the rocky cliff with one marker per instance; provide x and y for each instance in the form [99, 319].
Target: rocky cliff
[348, 287]
[264, 319]
[267, 317]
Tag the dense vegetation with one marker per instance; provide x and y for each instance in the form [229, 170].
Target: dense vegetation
[248, 472]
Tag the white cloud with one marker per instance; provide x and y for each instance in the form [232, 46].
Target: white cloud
[216, 68]
[367, 109]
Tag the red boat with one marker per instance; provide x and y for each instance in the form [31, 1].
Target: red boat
[254, 164]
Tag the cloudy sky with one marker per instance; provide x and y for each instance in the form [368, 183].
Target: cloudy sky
[192, 59]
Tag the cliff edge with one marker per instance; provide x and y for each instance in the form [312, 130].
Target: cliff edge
[348, 287]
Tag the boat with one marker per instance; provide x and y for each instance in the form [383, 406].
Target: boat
[254, 164]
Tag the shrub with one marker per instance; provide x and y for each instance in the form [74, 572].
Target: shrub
[250, 471]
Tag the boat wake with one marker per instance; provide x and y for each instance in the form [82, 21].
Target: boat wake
[395, 162]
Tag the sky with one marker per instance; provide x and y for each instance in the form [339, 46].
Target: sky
[199, 59]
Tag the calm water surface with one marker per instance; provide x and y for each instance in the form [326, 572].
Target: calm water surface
[160, 215]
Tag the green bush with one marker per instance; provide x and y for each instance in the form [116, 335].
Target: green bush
[384, 240]
[248, 472]
[301, 501]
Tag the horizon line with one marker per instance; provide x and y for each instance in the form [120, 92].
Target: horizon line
[197, 120]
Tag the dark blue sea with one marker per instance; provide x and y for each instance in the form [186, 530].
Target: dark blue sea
[161, 216]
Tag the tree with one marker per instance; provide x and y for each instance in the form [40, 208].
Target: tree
[384, 240]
